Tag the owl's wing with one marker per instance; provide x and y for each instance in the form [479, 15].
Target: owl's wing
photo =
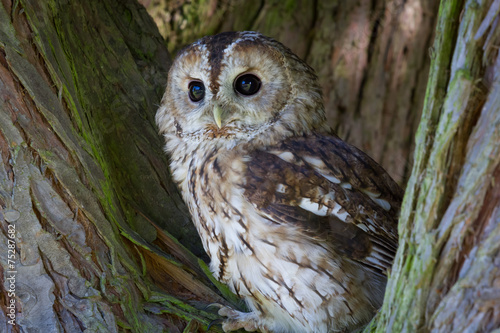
[333, 191]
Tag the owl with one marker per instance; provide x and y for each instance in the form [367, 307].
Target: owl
[298, 223]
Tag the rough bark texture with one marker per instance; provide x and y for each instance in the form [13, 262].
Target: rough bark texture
[84, 185]
[371, 58]
[446, 276]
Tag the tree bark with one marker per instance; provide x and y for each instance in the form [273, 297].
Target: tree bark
[446, 276]
[85, 193]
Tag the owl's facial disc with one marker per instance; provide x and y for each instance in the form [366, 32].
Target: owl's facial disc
[223, 105]
[239, 86]
[245, 85]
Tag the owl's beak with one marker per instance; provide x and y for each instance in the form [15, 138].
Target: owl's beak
[218, 116]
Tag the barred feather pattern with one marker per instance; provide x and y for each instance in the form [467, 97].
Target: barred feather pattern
[295, 221]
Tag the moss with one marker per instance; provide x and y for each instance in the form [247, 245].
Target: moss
[230, 296]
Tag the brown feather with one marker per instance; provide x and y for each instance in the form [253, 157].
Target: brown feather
[298, 179]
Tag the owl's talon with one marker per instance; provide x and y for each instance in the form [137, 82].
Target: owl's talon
[213, 305]
[214, 322]
[228, 312]
[236, 320]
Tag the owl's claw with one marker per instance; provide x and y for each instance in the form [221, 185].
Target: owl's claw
[214, 305]
[249, 321]
[234, 319]
[214, 322]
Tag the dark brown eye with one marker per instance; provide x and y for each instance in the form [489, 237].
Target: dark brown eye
[247, 84]
[196, 91]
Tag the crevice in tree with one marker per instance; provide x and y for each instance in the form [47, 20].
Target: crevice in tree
[419, 77]
[312, 31]
[459, 154]
[458, 151]
[257, 14]
[369, 52]
[158, 273]
[58, 279]
[6, 156]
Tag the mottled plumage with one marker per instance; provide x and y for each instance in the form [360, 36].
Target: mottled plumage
[297, 222]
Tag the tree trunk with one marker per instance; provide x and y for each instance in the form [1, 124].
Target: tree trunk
[446, 276]
[85, 194]
[103, 242]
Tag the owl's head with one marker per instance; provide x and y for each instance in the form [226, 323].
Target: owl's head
[238, 87]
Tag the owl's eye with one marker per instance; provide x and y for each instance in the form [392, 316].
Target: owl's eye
[196, 91]
[247, 84]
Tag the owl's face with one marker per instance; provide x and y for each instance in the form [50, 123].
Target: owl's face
[239, 86]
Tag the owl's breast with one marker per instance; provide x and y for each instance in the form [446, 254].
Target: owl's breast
[210, 182]
[274, 266]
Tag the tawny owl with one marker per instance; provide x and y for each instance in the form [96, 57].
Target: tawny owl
[297, 222]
